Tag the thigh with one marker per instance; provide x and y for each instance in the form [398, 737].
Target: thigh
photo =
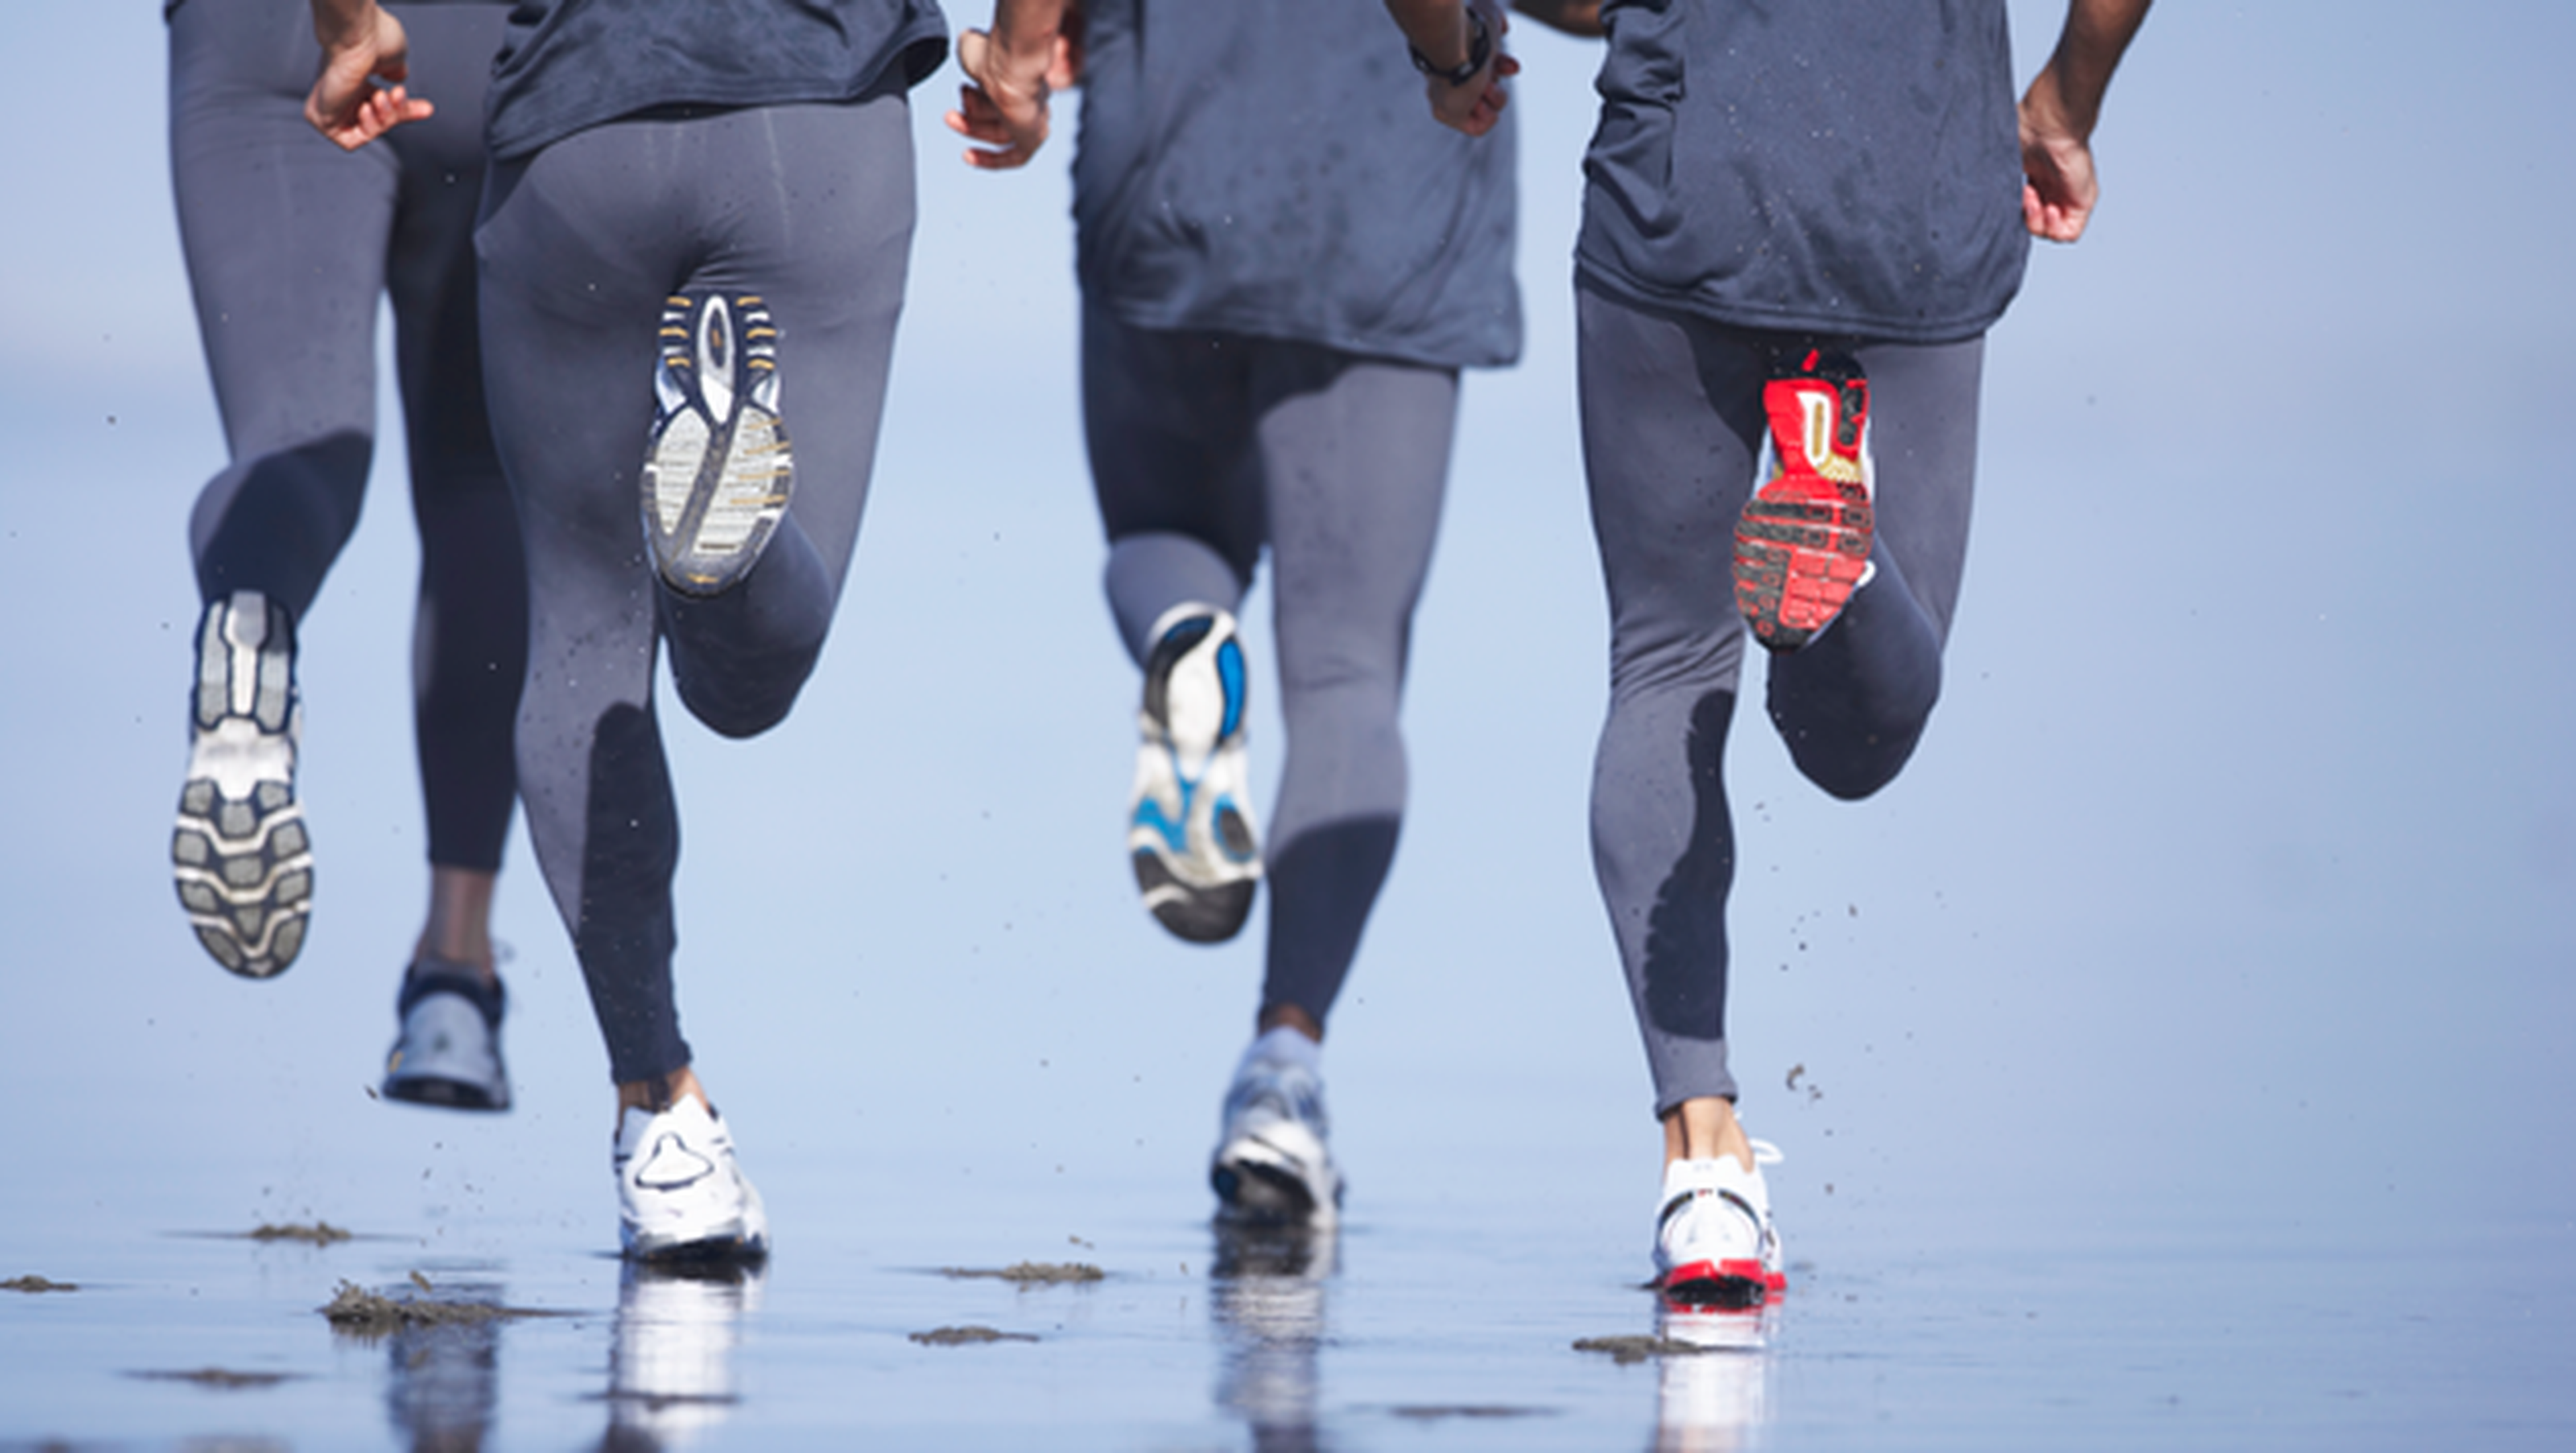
[429, 263]
[284, 233]
[1168, 421]
[1923, 441]
[1354, 459]
[1672, 421]
[808, 206]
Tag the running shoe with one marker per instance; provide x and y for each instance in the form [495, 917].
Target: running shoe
[718, 472]
[680, 1196]
[1190, 833]
[1272, 1166]
[1802, 545]
[1714, 1241]
[449, 1051]
[239, 854]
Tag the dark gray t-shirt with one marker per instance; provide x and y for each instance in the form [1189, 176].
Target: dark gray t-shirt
[1270, 169]
[568, 64]
[1830, 166]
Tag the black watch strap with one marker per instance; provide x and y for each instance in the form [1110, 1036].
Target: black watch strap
[1480, 49]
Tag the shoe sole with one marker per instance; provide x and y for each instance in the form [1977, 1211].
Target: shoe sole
[1801, 547]
[243, 866]
[718, 473]
[1726, 1285]
[248, 891]
[706, 1251]
[1198, 914]
[1201, 893]
[441, 1093]
[1252, 1193]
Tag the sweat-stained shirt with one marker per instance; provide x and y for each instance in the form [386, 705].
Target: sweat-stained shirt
[1270, 169]
[570, 64]
[1848, 167]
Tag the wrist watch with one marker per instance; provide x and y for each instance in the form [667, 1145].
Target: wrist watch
[1480, 48]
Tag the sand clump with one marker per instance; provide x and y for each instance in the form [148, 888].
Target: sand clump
[362, 1313]
[222, 1378]
[1033, 1273]
[32, 1284]
[967, 1336]
[320, 1233]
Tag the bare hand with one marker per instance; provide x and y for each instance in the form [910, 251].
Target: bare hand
[2059, 189]
[1477, 106]
[1003, 105]
[347, 103]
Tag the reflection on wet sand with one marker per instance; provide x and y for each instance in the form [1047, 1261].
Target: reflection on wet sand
[670, 1364]
[1715, 1400]
[444, 1377]
[1267, 1300]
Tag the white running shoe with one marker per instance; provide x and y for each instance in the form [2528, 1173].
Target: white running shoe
[717, 472]
[1271, 1163]
[1190, 833]
[680, 1196]
[239, 855]
[1714, 1241]
[449, 1051]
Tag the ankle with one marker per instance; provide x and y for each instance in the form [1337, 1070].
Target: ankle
[661, 1093]
[1705, 1128]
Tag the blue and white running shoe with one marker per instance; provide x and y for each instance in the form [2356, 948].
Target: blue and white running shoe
[1272, 1165]
[238, 854]
[718, 473]
[1190, 833]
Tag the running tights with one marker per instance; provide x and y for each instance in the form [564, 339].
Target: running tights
[1672, 432]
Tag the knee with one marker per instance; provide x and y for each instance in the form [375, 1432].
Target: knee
[1854, 765]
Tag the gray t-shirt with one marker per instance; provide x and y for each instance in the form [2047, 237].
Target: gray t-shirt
[1271, 170]
[570, 64]
[1830, 166]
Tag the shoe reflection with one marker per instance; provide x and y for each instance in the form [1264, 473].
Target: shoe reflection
[1717, 1399]
[670, 1362]
[444, 1378]
[1267, 1299]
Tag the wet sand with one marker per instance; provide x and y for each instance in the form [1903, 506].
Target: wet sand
[1408, 1328]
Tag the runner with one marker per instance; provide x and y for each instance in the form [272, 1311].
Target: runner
[1280, 287]
[1799, 223]
[697, 216]
[289, 243]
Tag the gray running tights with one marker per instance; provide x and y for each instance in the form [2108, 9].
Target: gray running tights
[810, 207]
[1206, 446]
[1672, 432]
[289, 243]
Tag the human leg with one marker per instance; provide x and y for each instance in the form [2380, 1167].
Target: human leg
[1354, 458]
[1168, 420]
[470, 618]
[1853, 704]
[1672, 424]
[582, 245]
[1355, 461]
[284, 242]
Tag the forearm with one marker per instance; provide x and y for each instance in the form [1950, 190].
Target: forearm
[337, 22]
[2070, 87]
[1028, 28]
[1574, 17]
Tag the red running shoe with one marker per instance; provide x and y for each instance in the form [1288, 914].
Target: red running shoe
[1802, 546]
